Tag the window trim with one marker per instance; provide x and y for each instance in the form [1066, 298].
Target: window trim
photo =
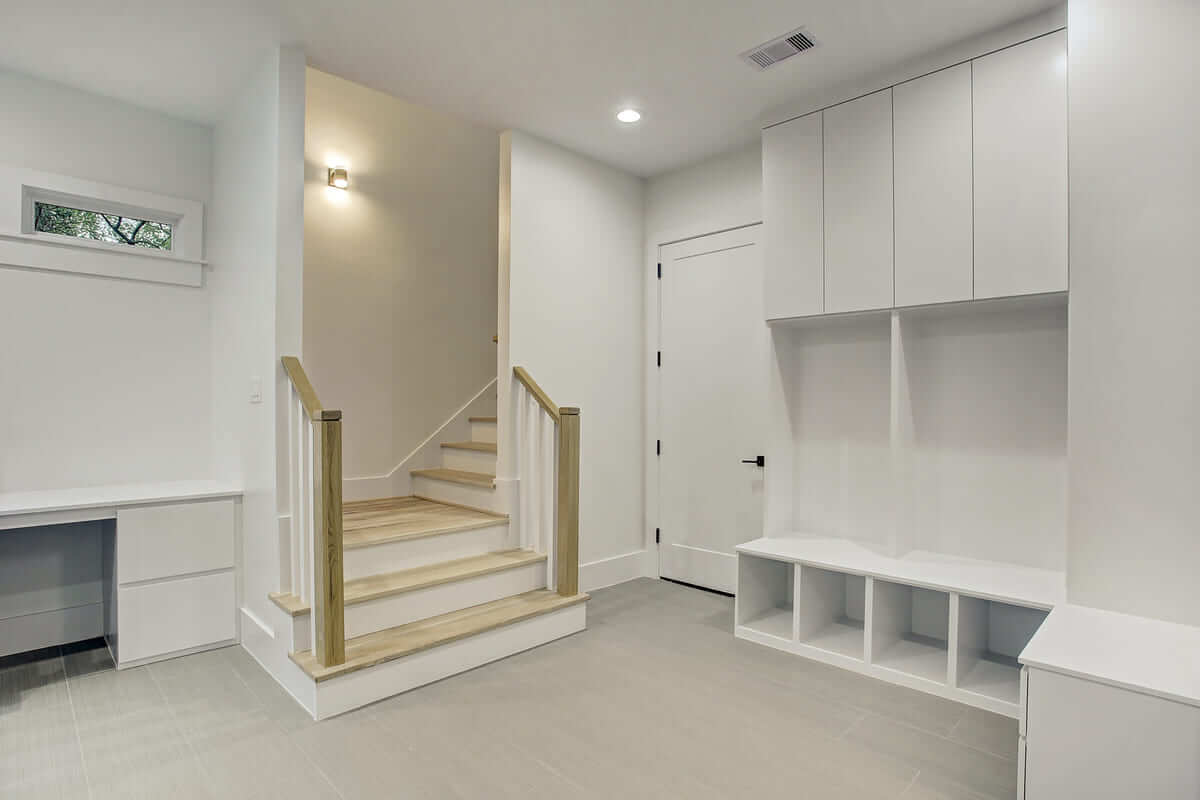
[22, 246]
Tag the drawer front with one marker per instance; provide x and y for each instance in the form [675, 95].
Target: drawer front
[179, 539]
[155, 619]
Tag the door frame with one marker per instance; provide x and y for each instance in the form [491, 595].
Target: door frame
[653, 327]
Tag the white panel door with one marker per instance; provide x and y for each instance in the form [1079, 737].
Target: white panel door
[1020, 112]
[932, 130]
[712, 405]
[793, 218]
[858, 204]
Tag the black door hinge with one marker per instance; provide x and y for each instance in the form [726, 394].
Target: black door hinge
[658, 447]
[658, 535]
[660, 270]
[660, 358]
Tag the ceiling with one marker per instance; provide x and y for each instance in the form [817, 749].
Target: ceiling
[559, 69]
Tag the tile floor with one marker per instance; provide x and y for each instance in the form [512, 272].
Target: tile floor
[655, 700]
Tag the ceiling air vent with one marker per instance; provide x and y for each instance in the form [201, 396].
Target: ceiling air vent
[772, 52]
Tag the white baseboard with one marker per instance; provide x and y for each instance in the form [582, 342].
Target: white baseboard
[272, 656]
[611, 571]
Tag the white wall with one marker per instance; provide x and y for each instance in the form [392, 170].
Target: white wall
[573, 316]
[718, 193]
[400, 270]
[1134, 509]
[102, 380]
[254, 246]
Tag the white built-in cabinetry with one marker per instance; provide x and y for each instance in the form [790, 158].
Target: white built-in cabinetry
[948, 187]
[857, 157]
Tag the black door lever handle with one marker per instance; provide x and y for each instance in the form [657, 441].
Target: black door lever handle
[760, 461]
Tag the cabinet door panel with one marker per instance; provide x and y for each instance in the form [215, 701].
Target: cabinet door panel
[792, 216]
[177, 539]
[932, 129]
[1020, 119]
[155, 619]
[858, 204]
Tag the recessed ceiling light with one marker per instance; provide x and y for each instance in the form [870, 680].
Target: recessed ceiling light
[629, 115]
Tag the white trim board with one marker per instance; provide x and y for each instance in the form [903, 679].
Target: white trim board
[610, 571]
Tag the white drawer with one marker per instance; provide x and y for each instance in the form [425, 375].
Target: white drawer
[155, 619]
[179, 539]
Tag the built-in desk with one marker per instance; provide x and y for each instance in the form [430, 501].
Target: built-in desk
[150, 567]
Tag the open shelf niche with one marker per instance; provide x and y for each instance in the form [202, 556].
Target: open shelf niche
[990, 637]
[831, 611]
[923, 449]
[764, 598]
[911, 630]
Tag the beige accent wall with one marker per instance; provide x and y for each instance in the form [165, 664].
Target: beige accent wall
[399, 270]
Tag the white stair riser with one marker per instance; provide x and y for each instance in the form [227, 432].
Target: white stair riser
[359, 562]
[457, 493]
[483, 431]
[357, 689]
[469, 460]
[401, 609]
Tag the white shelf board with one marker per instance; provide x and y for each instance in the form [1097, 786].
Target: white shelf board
[990, 580]
[1136, 653]
[775, 622]
[990, 679]
[840, 638]
[915, 658]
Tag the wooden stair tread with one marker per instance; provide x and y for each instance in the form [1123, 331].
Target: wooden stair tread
[481, 447]
[404, 640]
[373, 587]
[369, 522]
[481, 419]
[481, 479]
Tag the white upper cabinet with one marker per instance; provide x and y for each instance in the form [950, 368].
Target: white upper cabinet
[793, 214]
[1020, 155]
[932, 130]
[858, 204]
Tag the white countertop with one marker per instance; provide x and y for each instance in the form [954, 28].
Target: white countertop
[53, 500]
[990, 580]
[1145, 655]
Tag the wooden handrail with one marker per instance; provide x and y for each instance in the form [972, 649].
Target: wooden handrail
[566, 528]
[329, 601]
[537, 392]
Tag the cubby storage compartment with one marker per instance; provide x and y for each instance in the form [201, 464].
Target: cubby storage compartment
[831, 611]
[764, 596]
[984, 440]
[910, 630]
[990, 637]
[836, 377]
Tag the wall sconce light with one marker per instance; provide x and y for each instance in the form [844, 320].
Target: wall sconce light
[338, 178]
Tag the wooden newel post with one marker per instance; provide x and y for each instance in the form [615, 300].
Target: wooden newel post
[328, 608]
[567, 536]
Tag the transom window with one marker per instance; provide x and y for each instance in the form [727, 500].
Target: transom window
[97, 226]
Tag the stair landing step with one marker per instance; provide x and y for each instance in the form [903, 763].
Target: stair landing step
[481, 479]
[370, 522]
[481, 419]
[367, 651]
[480, 447]
[361, 590]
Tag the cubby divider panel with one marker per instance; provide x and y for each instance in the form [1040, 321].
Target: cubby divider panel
[991, 635]
[910, 630]
[765, 592]
[831, 610]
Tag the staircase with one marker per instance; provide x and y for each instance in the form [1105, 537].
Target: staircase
[432, 584]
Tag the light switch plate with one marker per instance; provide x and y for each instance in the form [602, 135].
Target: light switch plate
[256, 389]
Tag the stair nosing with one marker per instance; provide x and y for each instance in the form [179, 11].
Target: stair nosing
[482, 419]
[457, 527]
[473, 446]
[289, 604]
[442, 476]
[553, 602]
